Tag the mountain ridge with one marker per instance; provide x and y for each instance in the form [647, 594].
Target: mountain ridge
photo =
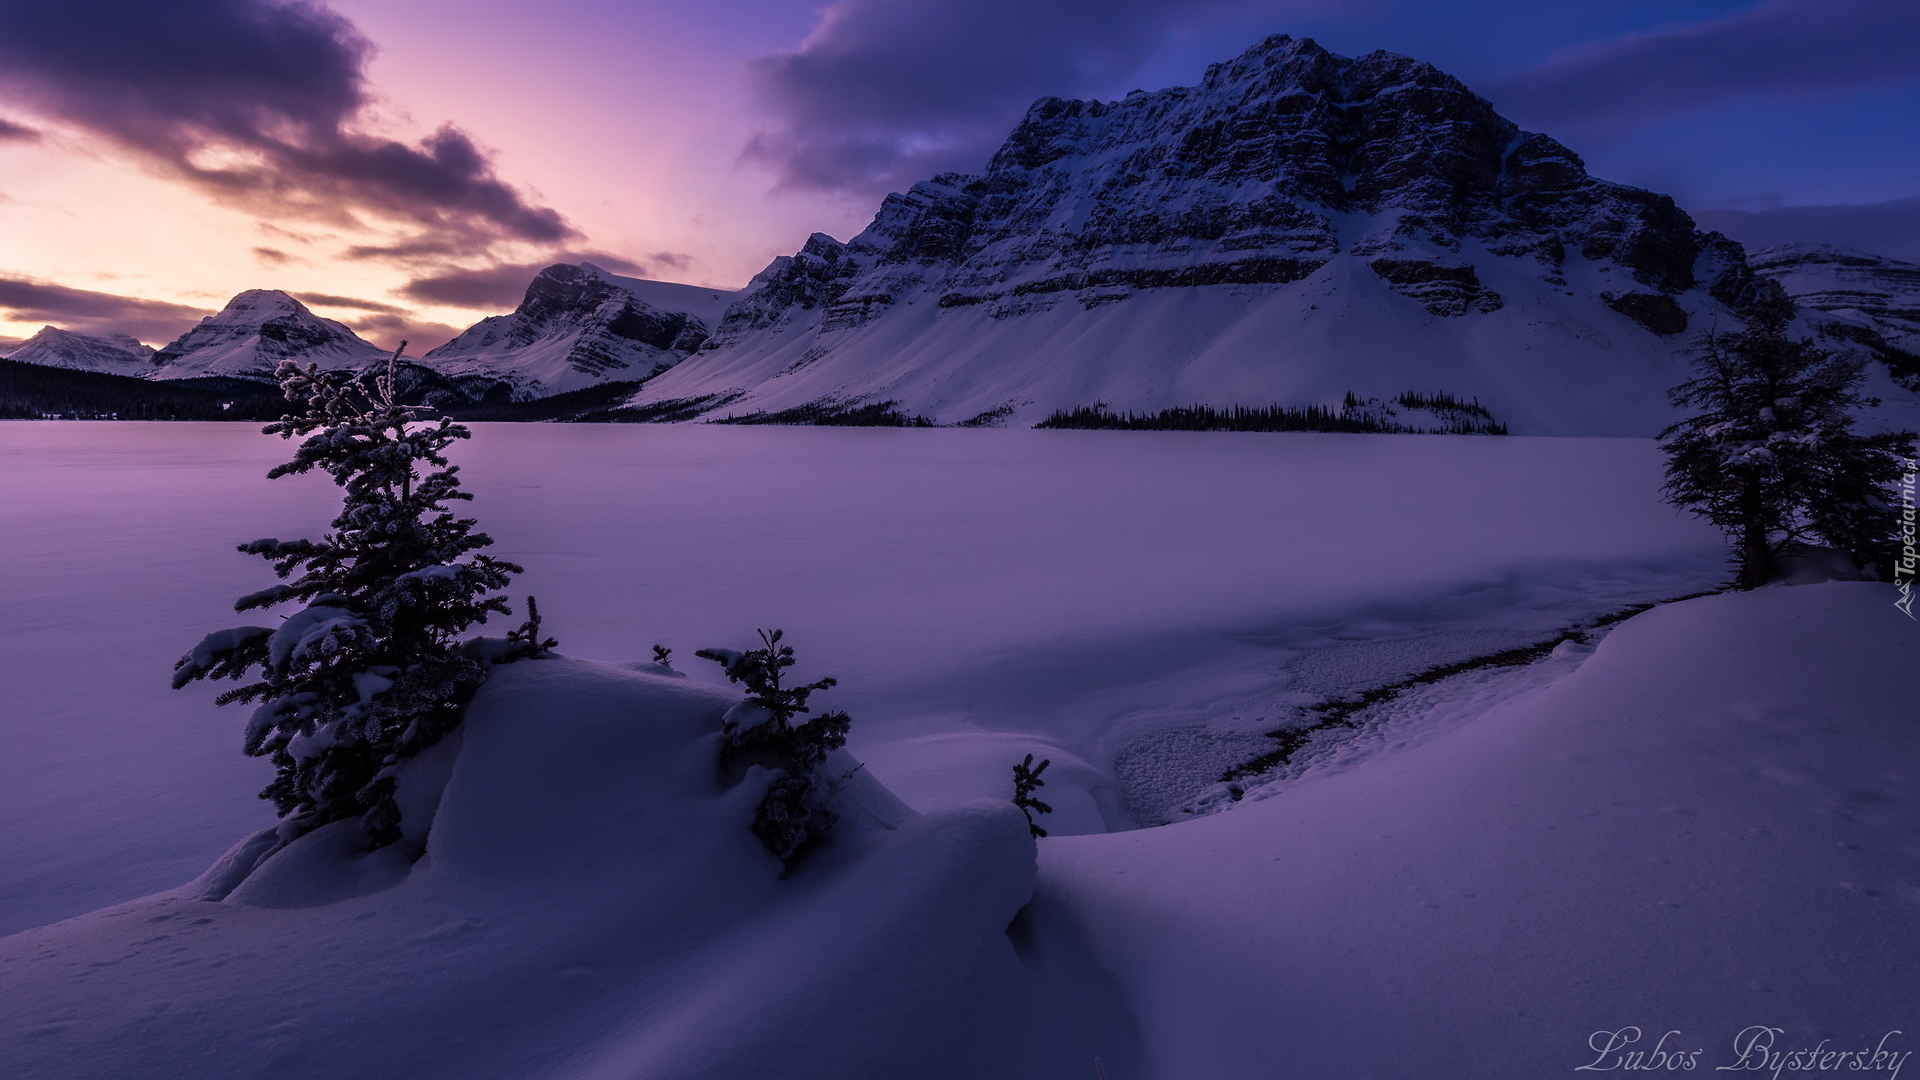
[1243, 241]
[1297, 231]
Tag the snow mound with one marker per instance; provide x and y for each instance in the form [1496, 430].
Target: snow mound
[589, 902]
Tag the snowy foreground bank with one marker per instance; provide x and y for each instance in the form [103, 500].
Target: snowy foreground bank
[1705, 825]
[979, 594]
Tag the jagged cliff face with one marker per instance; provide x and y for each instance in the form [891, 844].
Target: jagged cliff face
[1371, 189]
[256, 331]
[578, 325]
[115, 354]
[1272, 166]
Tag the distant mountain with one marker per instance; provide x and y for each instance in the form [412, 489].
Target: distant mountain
[257, 329]
[114, 354]
[1870, 290]
[1298, 226]
[578, 326]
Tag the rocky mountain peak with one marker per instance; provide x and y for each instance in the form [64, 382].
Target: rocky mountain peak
[576, 325]
[1292, 226]
[1274, 164]
[117, 354]
[253, 333]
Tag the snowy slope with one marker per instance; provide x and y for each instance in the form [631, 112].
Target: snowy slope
[1707, 825]
[1297, 226]
[53, 347]
[979, 594]
[1716, 795]
[1878, 292]
[579, 325]
[256, 330]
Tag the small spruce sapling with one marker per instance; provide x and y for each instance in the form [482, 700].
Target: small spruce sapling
[367, 673]
[1026, 781]
[525, 642]
[797, 811]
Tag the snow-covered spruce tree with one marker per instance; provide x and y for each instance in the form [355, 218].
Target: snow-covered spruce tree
[797, 811]
[1770, 455]
[369, 671]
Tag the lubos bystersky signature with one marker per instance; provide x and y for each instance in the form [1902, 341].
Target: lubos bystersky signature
[1755, 1049]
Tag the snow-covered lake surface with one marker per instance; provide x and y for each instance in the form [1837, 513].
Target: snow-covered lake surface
[979, 594]
[1704, 824]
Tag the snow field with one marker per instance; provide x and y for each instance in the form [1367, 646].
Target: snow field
[1704, 824]
[979, 594]
[1708, 824]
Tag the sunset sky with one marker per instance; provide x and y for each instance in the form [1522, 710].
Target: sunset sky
[405, 165]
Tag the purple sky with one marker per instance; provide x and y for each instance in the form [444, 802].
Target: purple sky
[407, 167]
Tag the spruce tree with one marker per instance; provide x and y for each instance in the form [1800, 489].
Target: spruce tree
[1026, 781]
[368, 672]
[1770, 455]
[765, 729]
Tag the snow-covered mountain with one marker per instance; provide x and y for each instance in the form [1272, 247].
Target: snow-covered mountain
[579, 325]
[253, 333]
[1297, 226]
[1870, 290]
[115, 354]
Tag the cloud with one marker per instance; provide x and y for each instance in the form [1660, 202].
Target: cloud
[258, 103]
[496, 287]
[1779, 47]
[1885, 228]
[887, 92]
[382, 323]
[275, 257]
[354, 303]
[12, 132]
[82, 311]
[388, 331]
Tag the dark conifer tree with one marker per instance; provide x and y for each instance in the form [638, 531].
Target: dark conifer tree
[368, 672]
[1026, 781]
[765, 729]
[1770, 455]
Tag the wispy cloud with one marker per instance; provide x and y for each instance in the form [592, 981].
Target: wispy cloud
[260, 104]
[12, 132]
[380, 322]
[1781, 47]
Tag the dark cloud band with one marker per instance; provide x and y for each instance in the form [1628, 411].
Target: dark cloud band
[256, 102]
[1884, 228]
[502, 287]
[87, 312]
[887, 92]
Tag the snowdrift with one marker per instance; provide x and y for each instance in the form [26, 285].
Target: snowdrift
[591, 903]
[1708, 825]
[1703, 827]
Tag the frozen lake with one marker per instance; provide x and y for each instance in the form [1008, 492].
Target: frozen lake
[979, 593]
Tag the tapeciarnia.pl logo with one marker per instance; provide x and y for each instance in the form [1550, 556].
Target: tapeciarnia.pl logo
[1905, 566]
